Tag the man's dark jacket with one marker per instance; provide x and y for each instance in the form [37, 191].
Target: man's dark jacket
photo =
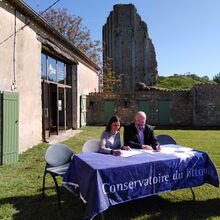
[131, 137]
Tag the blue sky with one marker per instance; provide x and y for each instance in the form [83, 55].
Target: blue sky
[185, 33]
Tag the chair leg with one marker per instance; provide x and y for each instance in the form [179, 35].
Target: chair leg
[102, 216]
[43, 184]
[57, 189]
[193, 194]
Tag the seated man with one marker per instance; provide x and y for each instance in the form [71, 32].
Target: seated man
[140, 135]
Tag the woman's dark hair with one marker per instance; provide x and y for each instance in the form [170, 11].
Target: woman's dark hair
[113, 119]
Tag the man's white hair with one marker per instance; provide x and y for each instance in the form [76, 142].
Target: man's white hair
[141, 113]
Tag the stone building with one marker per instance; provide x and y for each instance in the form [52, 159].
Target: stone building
[206, 105]
[45, 72]
[129, 47]
[198, 107]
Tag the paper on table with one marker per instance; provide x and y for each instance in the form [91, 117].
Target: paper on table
[174, 149]
[182, 152]
[129, 153]
[169, 149]
[150, 151]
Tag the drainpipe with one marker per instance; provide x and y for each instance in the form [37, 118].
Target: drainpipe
[13, 85]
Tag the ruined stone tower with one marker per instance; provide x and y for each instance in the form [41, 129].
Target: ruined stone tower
[131, 51]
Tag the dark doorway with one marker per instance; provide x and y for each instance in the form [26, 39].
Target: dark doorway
[57, 94]
[62, 108]
[56, 108]
[45, 110]
[53, 109]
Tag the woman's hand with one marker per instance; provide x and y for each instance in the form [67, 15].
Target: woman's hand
[147, 147]
[126, 148]
[116, 152]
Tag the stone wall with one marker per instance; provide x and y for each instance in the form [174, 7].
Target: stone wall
[198, 107]
[206, 106]
[127, 43]
[127, 104]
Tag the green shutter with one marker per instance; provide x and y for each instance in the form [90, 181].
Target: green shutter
[82, 110]
[144, 106]
[163, 112]
[10, 128]
[109, 110]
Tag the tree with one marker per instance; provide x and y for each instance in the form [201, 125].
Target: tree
[71, 27]
[216, 78]
[205, 78]
[110, 81]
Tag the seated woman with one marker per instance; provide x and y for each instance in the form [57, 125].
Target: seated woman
[110, 142]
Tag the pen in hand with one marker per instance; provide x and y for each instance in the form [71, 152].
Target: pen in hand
[126, 148]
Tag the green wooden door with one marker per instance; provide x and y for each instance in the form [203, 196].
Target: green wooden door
[82, 110]
[145, 107]
[10, 139]
[163, 112]
[109, 110]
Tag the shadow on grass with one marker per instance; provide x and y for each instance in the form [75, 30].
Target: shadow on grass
[154, 207]
[38, 208]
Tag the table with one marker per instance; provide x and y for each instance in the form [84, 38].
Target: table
[105, 180]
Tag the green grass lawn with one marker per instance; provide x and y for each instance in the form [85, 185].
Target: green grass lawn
[21, 186]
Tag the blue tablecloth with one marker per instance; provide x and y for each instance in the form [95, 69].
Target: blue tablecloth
[105, 180]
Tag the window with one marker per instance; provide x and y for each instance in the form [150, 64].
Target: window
[54, 70]
[43, 66]
[61, 72]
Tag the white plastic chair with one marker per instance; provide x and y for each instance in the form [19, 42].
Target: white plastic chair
[58, 157]
[91, 145]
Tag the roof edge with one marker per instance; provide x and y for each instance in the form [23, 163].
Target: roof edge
[33, 15]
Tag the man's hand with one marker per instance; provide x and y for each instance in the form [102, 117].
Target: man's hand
[158, 148]
[147, 147]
